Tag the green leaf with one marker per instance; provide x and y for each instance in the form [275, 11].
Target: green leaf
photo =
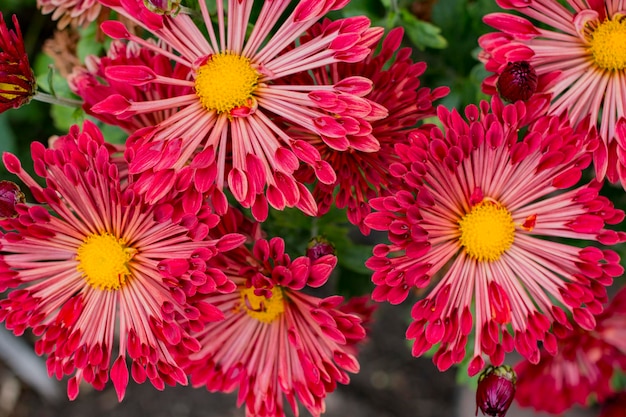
[64, 117]
[48, 79]
[7, 138]
[88, 43]
[422, 34]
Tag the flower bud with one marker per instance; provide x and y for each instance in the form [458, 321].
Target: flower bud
[166, 7]
[10, 195]
[518, 81]
[319, 247]
[495, 391]
[17, 81]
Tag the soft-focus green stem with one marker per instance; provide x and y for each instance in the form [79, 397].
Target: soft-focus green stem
[47, 98]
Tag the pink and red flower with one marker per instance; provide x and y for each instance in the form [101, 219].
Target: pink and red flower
[582, 369]
[93, 85]
[17, 81]
[361, 159]
[576, 49]
[71, 12]
[276, 341]
[90, 269]
[478, 223]
[232, 110]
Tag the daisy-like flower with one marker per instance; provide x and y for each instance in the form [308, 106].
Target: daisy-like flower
[91, 269]
[576, 49]
[231, 128]
[71, 12]
[17, 81]
[478, 222]
[360, 159]
[277, 341]
[582, 369]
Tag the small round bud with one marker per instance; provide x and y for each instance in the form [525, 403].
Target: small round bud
[163, 7]
[10, 195]
[518, 81]
[496, 390]
[319, 247]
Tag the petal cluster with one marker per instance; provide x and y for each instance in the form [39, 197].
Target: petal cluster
[519, 296]
[17, 81]
[277, 342]
[71, 12]
[557, 40]
[583, 368]
[361, 157]
[89, 328]
[247, 149]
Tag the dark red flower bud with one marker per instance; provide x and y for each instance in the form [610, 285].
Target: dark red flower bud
[496, 390]
[518, 81]
[10, 195]
[167, 7]
[17, 81]
[319, 247]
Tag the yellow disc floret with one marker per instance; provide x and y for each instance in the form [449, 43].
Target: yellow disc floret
[608, 44]
[265, 310]
[103, 260]
[225, 81]
[487, 231]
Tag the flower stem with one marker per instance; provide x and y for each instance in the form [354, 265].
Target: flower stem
[62, 101]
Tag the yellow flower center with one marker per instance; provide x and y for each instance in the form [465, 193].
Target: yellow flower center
[103, 261]
[608, 44]
[265, 310]
[487, 231]
[225, 82]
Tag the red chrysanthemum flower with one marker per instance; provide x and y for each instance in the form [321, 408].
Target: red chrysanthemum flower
[477, 221]
[576, 49]
[87, 266]
[361, 158]
[17, 81]
[276, 340]
[583, 367]
[92, 84]
[71, 12]
[231, 128]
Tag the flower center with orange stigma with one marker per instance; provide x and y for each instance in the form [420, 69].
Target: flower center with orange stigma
[608, 44]
[487, 231]
[103, 261]
[226, 81]
[265, 310]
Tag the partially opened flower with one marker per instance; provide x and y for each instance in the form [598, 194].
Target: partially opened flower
[576, 49]
[583, 368]
[231, 127]
[17, 81]
[91, 269]
[277, 341]
[362, 158]
[495, 390]
[481, 223]
[71, 12]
